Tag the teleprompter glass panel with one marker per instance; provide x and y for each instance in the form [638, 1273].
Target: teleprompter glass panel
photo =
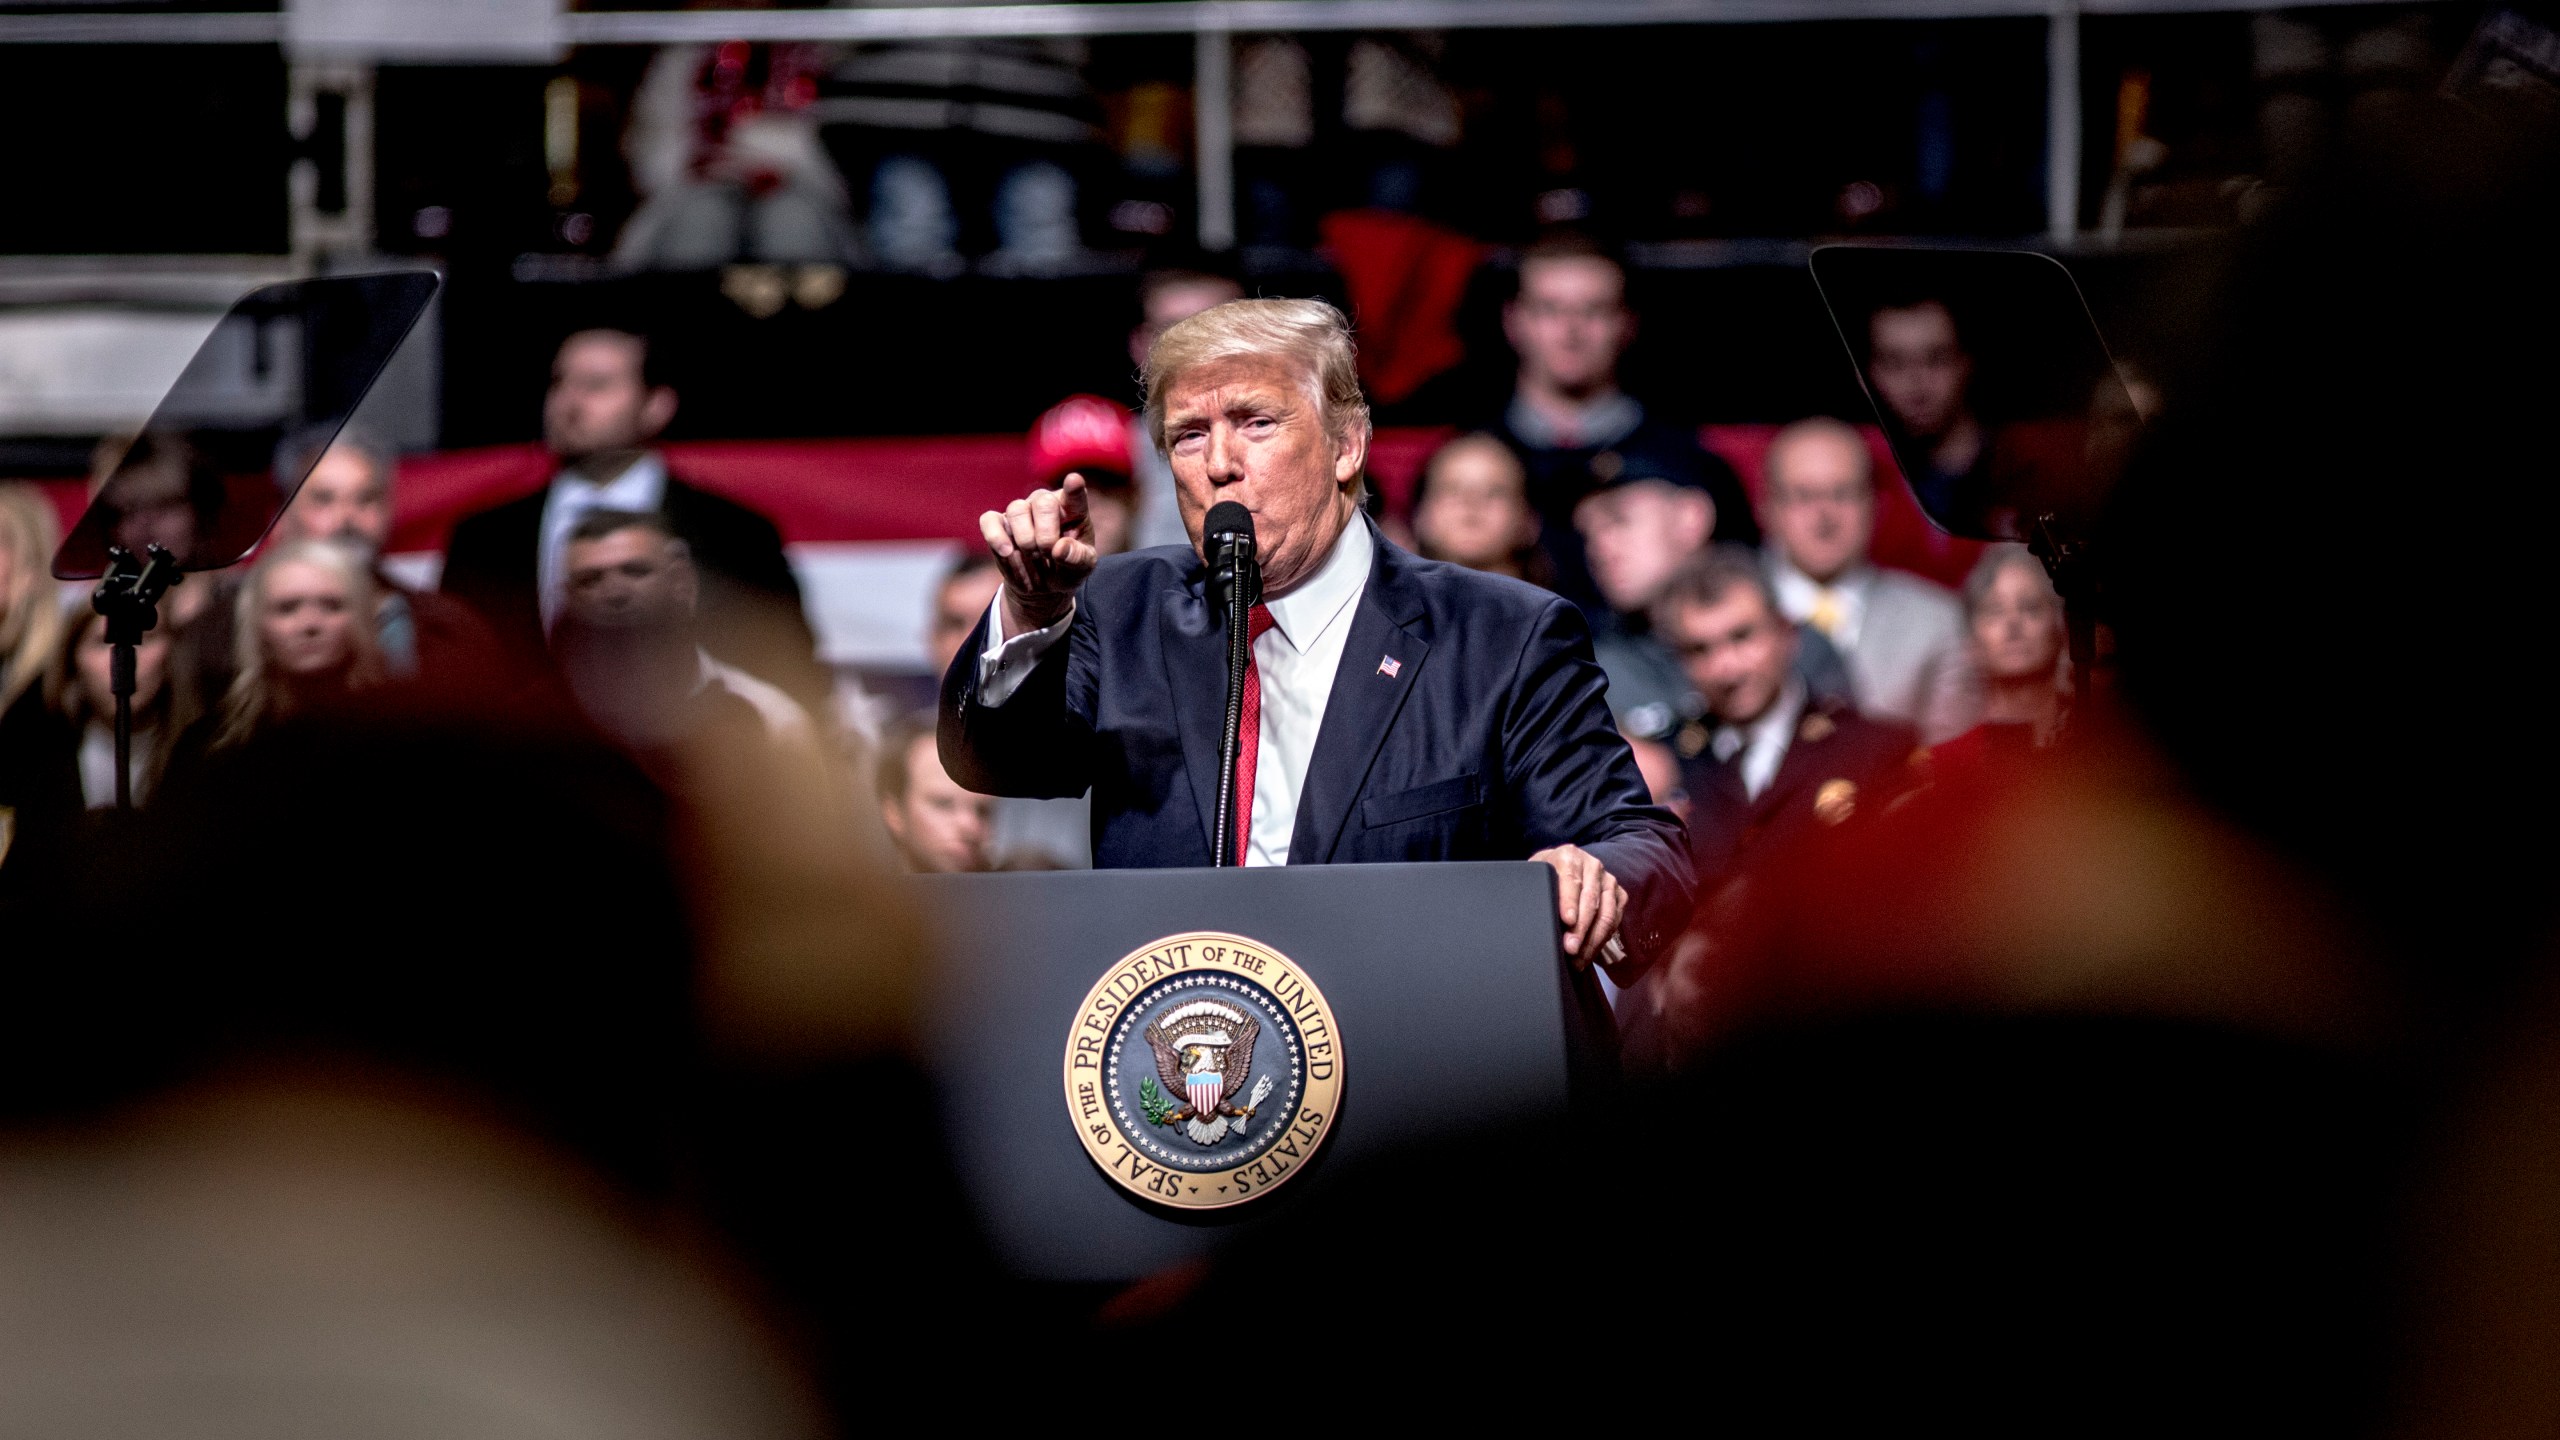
[1989, 377]
[211, 471]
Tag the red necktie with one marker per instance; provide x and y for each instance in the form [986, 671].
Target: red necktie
[1249, 731]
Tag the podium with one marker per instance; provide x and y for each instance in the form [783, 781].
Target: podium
[1446, 1008]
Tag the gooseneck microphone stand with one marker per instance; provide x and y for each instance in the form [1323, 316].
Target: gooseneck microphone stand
[1235, 579]
[129, 597]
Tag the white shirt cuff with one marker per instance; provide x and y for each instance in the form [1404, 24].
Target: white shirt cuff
[1005, 664]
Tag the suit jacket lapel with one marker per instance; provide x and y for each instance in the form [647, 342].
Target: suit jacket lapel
[679, 502]
[1363, 705]
[515, 533]
[1195, 674]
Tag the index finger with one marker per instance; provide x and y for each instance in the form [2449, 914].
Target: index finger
[1071, 501]
[999, 537]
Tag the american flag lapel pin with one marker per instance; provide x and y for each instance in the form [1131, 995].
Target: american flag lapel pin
[1390, 666]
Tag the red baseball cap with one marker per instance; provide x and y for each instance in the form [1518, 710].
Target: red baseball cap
[1085, 433]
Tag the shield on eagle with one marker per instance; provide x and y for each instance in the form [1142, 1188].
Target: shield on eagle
[1205, 1090]
[1204, 1051]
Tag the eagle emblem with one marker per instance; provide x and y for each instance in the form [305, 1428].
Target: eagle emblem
[1204, 1052]
[1203, 1070]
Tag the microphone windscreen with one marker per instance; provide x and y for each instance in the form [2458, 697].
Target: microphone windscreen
[1227, 518]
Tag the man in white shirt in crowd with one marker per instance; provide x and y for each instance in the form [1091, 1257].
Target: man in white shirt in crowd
[1902, 637]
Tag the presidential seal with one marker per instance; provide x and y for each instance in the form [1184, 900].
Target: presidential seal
[1203, 1070]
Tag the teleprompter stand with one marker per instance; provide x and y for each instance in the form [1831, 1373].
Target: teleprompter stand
[129, 597]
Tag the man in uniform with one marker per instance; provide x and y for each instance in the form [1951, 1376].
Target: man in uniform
[1769, 764]
[1638, 529]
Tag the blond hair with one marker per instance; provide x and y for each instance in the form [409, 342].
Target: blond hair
[30, 614]
[254, 699]
[158, 723]
[1309, 332]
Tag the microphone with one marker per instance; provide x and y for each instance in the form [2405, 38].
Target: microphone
[1235, 580]
[1227, 542]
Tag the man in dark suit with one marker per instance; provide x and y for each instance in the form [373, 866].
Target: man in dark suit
[1399, 708]
[607, 402]
[1769, 765]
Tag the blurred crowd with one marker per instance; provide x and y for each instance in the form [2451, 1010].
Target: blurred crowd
[1770, 675]
[2150, 1015]
[1774, 681]
[605, 736]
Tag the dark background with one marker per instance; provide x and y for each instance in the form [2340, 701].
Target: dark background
[1717, 153]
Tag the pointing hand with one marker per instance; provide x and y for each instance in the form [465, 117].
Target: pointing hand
[1044, 545]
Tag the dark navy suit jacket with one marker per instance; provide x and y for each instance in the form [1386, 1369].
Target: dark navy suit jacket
[1491, 741]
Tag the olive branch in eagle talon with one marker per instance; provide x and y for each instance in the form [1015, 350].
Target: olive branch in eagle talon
[1204, 1051]
[1151, 1100]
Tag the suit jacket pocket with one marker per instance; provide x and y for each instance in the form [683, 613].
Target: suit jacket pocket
[1422, 802]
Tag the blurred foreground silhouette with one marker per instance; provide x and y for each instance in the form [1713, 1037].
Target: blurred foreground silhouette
[444, 1065]
[2199, 1076]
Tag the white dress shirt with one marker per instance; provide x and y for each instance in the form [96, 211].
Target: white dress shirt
[1763, 743]
[641, 488]
[98, 765]
[1297, 657]
[785, 722]
[1799, 593]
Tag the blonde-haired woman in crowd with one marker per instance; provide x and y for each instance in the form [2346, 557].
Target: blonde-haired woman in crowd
[30, 617]
[58, 753]
[30, 636]
[304, 636]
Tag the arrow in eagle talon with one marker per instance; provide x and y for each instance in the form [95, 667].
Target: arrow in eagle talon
[1261, 1092]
